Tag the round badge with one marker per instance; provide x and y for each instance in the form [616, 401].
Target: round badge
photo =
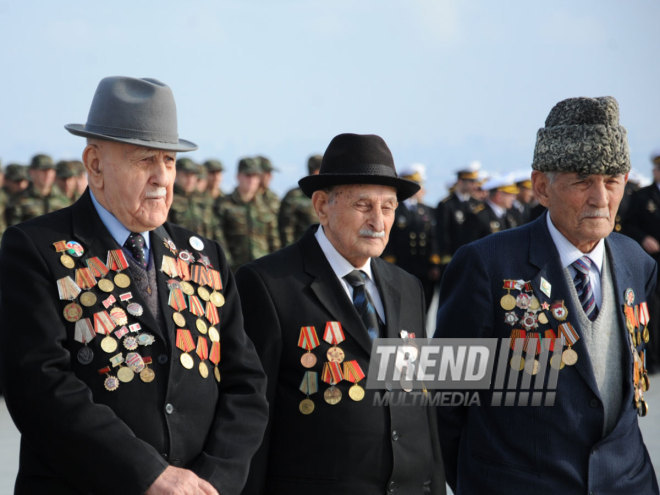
[186, 256]
[216, 374]
[72, 312]
[125, 374]
[118, 315]
[178, 318]
[517, 363]
[308, 360]
[130, 342]
[122, 280]
[187, 361]
[147, 375]
[145, 339]
[74, 249]
[85, 355]
[332, 395]
[335, 355]
[306, 406]
[111, 383]
[356, 393]
[88, 299]
[108, 344]
[67, 261]
[187, 288]
[203, 292]
[196, 243]
[508, 302]
[629, 296]
[106, 285]
[214, 335]
[556, 362]
[217, 299]
[134, 309]
[201, 326]
[569, 357]
[203, 370]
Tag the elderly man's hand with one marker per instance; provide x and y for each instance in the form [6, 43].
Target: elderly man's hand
[177, 481]
[650, 244]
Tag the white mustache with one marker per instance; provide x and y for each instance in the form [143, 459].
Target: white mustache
[158, 193]
[595, 213]
[371, 233]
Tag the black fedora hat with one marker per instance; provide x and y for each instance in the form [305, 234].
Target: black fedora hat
[358, 159]
[134, 111]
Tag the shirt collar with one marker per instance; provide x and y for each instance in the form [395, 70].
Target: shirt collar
[497, 209]
[340, 265]
[114, 226]
[568, 253]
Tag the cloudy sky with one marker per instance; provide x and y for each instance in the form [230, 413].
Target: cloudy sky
[444, 82]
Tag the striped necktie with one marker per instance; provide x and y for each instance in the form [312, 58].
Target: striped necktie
[584, 288]
[362, 302]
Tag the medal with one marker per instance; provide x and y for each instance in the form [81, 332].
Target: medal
[125, 374]
[523, 300]
[203, 370]
[203, 293]
[111, 383]
[558, 310]
[308, 386]
[532, 366]
[306, 406]
[217, 299]
[67, 261]
[556, 361]
[534, 304]
[85, 355]
[214, 335]
[184, 341]
[529, 321]
[353, 373]
[122, 280]
[130, 342]
[67, 289]
[333, 335]
[517, 363]
[569, 357]
[332, 395]
[629, 296]
[510, 318]
[187, 361]
[178, 318]
[214, 357]
[335, 354]
[106, 285]
[134, 309]
[202, 352]
[308, 340]
[187, 288]
[118, 316]
[332, 374]
[356, 393]
[508, 302]
[74, 249]
[88, 299]
[196, 243]
[72, 312]
[147, 375]
[145, 339]
[108, 344]
[201, 326]
[135, 362]
[542, 318]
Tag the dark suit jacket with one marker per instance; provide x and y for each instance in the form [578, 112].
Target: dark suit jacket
[541, 450]
[347, 448]
[77, 437]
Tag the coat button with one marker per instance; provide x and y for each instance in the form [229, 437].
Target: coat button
[395, 435]
[169, 408]
[162, 359]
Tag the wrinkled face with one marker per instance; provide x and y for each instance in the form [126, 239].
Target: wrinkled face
[131, 182]
[357, 219]
[583, 208]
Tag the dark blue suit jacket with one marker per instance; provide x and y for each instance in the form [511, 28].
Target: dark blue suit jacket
[541, 450]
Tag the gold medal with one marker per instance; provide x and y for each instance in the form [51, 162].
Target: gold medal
[308, 360]
[203, 293]
[643, 408]
[508, 302]
[356, 393]
[187, 361]
[556, 362]
[106, 285]
[147, 375]
[201, 326]
[217, 299]
[517, 363]
[125, 374]
[187, 288]
[178, 318]
[109, 344]
[646, 335]
[72, 312]
[306, 406]
[534, 303]
[88, 299]
[214, 335]
[532, 366]
[645, 382]
[203, 370]
[543, 319]
[111, 383]
[332, 395]
[122, 280]
[569, 357]
[216, 373]
[335, 355]
[67, 261]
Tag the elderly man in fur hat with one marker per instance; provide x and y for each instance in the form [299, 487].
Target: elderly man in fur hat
[563, 283]
[111, 324]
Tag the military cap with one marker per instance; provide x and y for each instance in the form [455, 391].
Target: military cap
[249, 166]
[186, 165]
[42, 162]
[214, 165]
[65, 169]
[583, 135]
[201, 171]
[266, 165]
[78, 166]
[314, 163]
[504, 183]
[15, 172]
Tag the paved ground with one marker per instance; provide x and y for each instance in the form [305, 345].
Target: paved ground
[9, 437]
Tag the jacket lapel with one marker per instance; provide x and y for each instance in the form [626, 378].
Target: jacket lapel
[391, 298]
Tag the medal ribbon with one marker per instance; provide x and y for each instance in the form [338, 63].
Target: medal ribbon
[308, 339]
[103, 323]
[126, 296]
[109, 301]
[184, 269]
[67, 288]
[214, 355]
[177, 300]
[528, 287]
[168, 265]
[84, 331]
[121, 332]
[59, 246]
[529, 342]
[202, 348]
[146, 360]
[212, 313]
[643, 314]
[117, 260]
[310, 383]
[216, 280]
[195, 305]
[509, 284]
[97, 267]
[352, 371]
[117, 359]
[184, 340]
[549, 340]
[84, 278]
[567, 331]
[517, 334]
[334, 334]
[199, 274]
[332, 373]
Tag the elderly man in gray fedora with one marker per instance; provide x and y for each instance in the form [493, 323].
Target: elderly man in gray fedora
[112, 321]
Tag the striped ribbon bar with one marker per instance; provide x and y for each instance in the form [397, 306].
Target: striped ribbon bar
[84, 278]
[215, 279]
[308, 338]
[214, 355]
[199, 274]
[195, 305]
[177, 300]
[352, 371]
[332, 373]
[567, 331]
[184, 269]
[168, 266]
[116, 260]
[202, 348]
[103, 324]
[644, 314]
[67, 289]
[310, 383]
[212, 313]
[184, 340]
[84, 331]
[97, 267]
[334, 333]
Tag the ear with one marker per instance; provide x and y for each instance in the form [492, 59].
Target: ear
[92, 161]
[540, 184]
[320, 204]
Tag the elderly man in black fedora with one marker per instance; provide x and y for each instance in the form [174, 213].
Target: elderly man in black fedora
[313, 309]
[112, 320]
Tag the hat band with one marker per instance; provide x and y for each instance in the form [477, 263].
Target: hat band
[145, 135]
[376, 169]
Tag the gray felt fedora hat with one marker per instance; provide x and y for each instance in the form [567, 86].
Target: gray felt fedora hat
[134, 111]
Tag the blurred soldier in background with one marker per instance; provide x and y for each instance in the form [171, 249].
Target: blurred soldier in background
[188, 209]
[16, 180]
[522, 205]
[495, 213]
[214, 170]
[271, 199]
[81, 177]
[41, 196]
[296, 210]
[65, 178]
[202, 179]
[413, 245]
[246, 226]
[634, 184]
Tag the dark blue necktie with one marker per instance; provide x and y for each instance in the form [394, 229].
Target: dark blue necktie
[584, 288]
[135, 245]
[362, 302]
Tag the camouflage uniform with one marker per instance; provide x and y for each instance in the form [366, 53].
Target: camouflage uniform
[271, 199]
[191, 210]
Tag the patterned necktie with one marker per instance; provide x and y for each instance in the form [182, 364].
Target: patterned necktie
[362, 302]
[135, 245]
[584, 288]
